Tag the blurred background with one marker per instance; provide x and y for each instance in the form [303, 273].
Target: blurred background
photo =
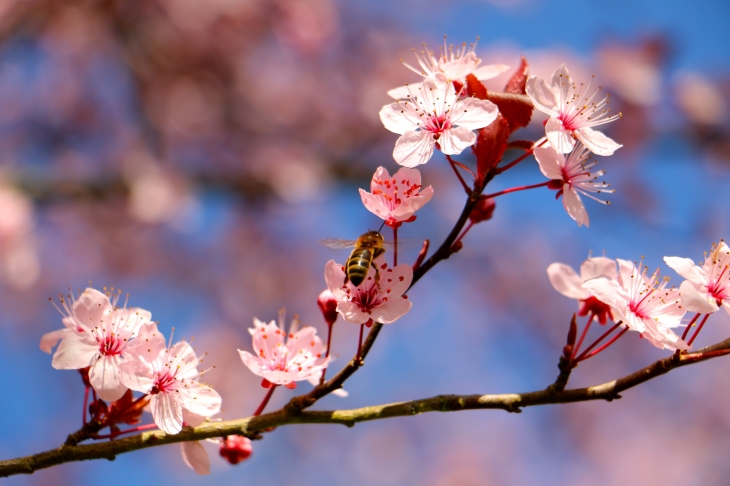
[194, 152]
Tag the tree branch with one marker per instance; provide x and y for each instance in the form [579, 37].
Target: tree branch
[253, 426]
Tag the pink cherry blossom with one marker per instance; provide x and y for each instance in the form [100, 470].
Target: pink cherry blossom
[570, 177]
[434, 113]
[382, 301]
[283, 358]
[573, 113]
[396, 199]
[98, 334]
[170, 375]
[708, 286]
[641, 304]
[564, 279]
[450, 64]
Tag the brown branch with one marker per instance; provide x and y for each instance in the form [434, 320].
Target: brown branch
[253, 426]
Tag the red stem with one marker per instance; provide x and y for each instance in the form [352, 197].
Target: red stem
[613, 340]
[456, 171]
[520, 158]
[686, 330]
[582, 336]
[395, 247]
[463, 233]
[265, 401]
[605, 334]
[329, 340]
[86, 404]
[359, 342]
[699, 328]
[134, 429]
[515, 189]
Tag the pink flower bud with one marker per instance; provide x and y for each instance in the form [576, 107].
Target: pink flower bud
[236, 448]
[482, 211]
[328, 305]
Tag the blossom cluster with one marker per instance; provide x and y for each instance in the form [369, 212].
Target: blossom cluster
[625, 292]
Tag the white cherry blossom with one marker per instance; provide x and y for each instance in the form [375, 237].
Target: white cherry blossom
[450, 64]
[707, 287]
[283, 358]
[642, 305]
[573, 112]
[433, 113]
[170, 376]
[571, 176]
[381, 300]
[98, 334]
[564, 279]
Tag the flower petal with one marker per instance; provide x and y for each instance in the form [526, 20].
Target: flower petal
[351, 312]
[399, 117]
[598, 267]
[564, 279]
[574, 206]
[75, 351]
[195, 456]
[374, 204]
[473, 113]
[550, 161]
[392, 310]
[686, 268]
[334, 276]
[49, 339]
[455, 140]
[596, 141]
[542, 95]
[488, 72]
[694, 301]
[414, 148]
[558, 137]
[167, 412]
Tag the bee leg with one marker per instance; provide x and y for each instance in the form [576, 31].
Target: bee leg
[377, 272]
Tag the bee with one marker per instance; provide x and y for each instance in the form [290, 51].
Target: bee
[366, 249]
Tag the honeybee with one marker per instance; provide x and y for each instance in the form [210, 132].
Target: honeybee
[366, 249]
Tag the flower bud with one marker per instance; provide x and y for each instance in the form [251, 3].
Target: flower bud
[482, 211]
[236, 448]
[328, 305]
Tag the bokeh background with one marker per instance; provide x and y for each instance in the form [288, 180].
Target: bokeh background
[193, 152]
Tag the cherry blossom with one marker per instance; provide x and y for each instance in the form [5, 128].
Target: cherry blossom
[433, 113]
[573, 113]
[450, 64]
[572, 177]
[641, 304]
[170, 375]
[564, 279]
[396, 199]
[381, 300]
[708, 286]
[283, 358]
[98, 334]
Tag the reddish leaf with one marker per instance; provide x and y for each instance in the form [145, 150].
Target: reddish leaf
[475, 88]
[490, 146]
[516, 83]
[515, 108]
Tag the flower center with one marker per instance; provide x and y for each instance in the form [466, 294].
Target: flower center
[164, 383]
[367, 300]
[437, 124]
[111, 345]
[719, 291]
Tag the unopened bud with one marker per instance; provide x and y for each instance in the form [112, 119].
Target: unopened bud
[236, 448]
[482, 211]
[328, 305]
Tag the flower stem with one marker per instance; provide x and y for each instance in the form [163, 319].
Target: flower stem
[395, 247]
[605, 334]
[86, 405]
[686, 329]
[520, 158]
[515, 189]
[129, 431]
[456, 171]
[463, 233]
[265, 401]
[582, 336]
[613, 340]
[699, 328]
[327, 354]
[359, 343]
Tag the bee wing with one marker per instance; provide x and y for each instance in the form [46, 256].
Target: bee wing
[337, 243]
[404, 243]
